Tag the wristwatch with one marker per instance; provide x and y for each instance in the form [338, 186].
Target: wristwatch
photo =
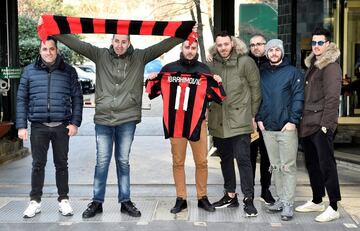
[324, 129]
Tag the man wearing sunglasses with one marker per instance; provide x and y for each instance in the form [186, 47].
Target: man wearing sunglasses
[318, 124]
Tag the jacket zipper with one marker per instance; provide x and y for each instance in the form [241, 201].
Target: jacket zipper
[48, 97]
[225, 114]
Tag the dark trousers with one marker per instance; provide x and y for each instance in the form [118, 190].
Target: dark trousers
[258, 147]
[237, 147]
[321, 165]
[40, 138]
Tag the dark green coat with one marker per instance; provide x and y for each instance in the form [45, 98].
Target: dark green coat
[119, 79]
[241, 81]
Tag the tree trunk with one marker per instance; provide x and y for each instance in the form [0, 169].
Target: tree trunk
[200, 29]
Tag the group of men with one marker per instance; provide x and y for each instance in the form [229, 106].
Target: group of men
[263, 91]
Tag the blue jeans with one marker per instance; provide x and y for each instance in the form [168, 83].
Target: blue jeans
[123, 136]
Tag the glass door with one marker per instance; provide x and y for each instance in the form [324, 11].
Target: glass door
[351, 50]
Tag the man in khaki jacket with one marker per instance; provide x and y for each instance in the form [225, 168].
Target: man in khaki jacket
[118, 96]
[231, 123]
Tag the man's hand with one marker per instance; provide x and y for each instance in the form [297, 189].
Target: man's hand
[72, 129]
[209, 57]
[289, 127]
[152, 75]
[261, 125]
[195, 27]
[254, 124]
[217, 78]
[23, 133]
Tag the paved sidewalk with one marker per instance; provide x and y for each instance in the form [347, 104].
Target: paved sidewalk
[154, 192]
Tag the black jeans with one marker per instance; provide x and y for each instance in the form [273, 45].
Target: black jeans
[41, 136]
[237, 147]
[258, 147]
[321, 165]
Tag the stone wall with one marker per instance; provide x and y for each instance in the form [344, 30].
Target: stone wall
[11, 150]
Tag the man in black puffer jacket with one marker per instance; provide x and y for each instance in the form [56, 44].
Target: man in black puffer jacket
[50, 97]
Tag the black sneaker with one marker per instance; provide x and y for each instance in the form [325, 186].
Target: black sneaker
[267, 198]
[204, 203]
[227, 201]
[92, 209]
[249, 207]
[180, 205]
[129, 208]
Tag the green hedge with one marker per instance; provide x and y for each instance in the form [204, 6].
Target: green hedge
[29, 44]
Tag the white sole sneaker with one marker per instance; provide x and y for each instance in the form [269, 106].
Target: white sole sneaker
[310, 207]
[65, 208]
[33, 209]
[32, 215]
[328, 215]
[66, 214]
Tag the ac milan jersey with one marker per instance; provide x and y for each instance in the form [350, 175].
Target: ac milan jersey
[185, 98]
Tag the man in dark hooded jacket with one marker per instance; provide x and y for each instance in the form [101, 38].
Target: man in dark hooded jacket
[318, 124]
[282, 90]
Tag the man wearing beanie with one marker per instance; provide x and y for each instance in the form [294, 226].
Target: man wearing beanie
[280, 111]
[318, 124]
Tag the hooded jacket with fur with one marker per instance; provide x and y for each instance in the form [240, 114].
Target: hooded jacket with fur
[322, 92]
[241, 82]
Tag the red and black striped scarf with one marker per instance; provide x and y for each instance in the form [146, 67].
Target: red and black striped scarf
[53, 24]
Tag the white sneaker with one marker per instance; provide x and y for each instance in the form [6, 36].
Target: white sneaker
[329, 215]
[33, 208]
[65, 208]
[310, 207]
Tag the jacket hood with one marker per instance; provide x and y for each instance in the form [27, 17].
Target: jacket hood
[240, 47]
[331, 55]
[128, 52]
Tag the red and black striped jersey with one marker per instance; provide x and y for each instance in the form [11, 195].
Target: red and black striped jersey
[185, 98]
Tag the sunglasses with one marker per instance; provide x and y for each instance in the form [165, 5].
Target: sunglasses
[320, 43]
[252, 45]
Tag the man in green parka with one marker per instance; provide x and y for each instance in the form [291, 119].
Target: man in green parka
[118, 97]
[231, 123]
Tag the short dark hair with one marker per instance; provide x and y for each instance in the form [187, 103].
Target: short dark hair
[322, 31]
[195, 41]
[51, 38]
[123, 34]
[223, 33]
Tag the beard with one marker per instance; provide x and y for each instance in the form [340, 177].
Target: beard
[275, 61]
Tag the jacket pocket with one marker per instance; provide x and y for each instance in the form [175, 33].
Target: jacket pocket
[312, 114]
[67, 105]
[238, 117]
[214, 116]
[314, 107]
[32, 105]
